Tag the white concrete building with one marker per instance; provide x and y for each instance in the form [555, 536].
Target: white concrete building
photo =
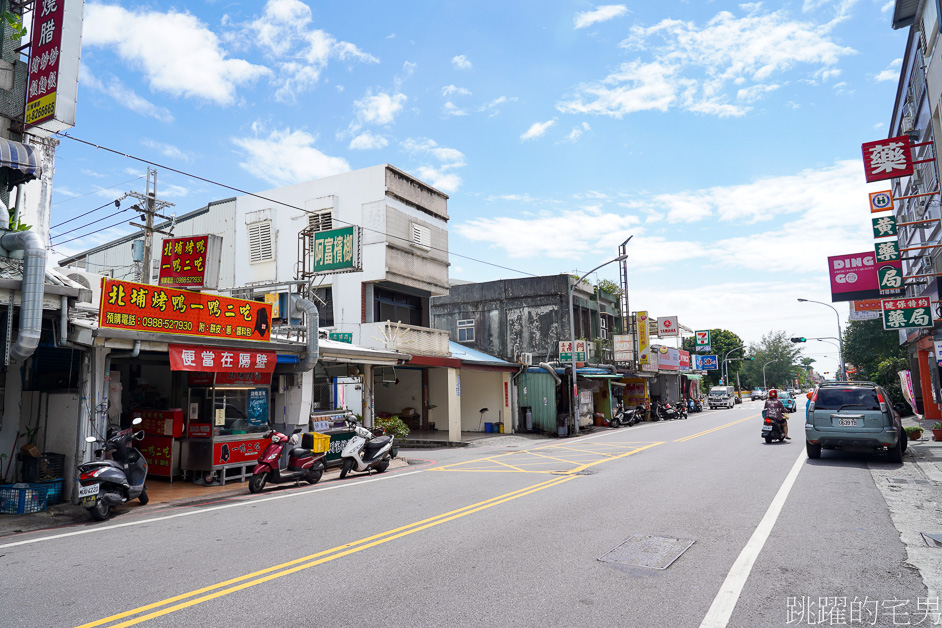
[384, 305]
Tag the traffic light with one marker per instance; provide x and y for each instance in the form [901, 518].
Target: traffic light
[799, 339]
[750, 359]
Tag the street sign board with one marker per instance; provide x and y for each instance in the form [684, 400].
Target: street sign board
[644, 349]
[881, 201]
[668, 326]
[884, 226]
[887, 159]
[860, 276]
[341, 336]
[622, 345]
[336, 250]
[565, 350]
[702, 338]
[886, 251]
[707, 363]
[907, 313]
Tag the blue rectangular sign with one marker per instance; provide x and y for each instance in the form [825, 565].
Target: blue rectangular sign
[707, 362]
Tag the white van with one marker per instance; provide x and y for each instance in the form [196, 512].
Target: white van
[722, 397]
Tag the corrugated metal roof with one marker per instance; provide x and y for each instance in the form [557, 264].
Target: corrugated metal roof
[467, 354]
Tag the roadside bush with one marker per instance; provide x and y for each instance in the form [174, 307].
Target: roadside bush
[394, 426]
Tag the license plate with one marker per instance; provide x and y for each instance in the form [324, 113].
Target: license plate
[847, 422]
[88, 502]
[88, 491]
[766, 428]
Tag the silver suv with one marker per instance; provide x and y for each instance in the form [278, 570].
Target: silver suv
[855, 416]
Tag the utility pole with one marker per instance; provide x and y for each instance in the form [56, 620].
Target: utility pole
[149, 205]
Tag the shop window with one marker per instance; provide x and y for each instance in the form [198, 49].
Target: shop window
[261, 248]
[324, 298]
[466, 330]
[397, 307]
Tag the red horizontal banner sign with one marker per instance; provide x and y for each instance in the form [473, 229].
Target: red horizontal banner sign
[217, 360]
[144, 307]
[233, 378]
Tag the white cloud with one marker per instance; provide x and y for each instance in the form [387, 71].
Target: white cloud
[891, 73]
[175, 51]
[563, 235]
[810, 215]
[461, 62]
[886, 8]
[301, 52]
[368, 141]
[449, 90]
[122, 95]
[601, 14]
[522, 198]
[694, 66]
[537, 129]
[380, 108]
[440, 175]
[167, 150]
[493, 106]
[451, 109]
[298, 159]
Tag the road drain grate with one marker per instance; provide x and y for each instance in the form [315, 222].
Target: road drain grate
[909, 481]
[643, 550]
[932, 540]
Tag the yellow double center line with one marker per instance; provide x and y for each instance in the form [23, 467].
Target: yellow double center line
[212, 592]
[714, 429]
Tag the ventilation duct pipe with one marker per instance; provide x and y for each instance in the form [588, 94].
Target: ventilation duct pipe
[549, 369]
[309, 359]
[31, 294]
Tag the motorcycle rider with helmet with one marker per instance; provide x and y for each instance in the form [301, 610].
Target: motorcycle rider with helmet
[775, 410]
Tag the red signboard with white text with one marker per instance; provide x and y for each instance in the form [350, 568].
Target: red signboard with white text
[887, 159]
[238, 451]
[859, 276]
[684, 360]
[253, 378]
[218, 360]
[55, 49]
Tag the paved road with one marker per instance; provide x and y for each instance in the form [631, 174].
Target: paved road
[507, 537]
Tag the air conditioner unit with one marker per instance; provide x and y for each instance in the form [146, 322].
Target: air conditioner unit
[92, 281]
[908, 124]
[526, 358]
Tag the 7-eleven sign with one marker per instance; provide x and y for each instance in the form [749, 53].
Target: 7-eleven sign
[703, 340]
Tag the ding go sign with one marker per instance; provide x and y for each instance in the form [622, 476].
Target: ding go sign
[863, 276]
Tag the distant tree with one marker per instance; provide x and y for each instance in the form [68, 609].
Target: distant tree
[867, 345]
[779, 355]
[609, 286]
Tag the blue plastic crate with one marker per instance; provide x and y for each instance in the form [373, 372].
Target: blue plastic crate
[53, 491]
[21, 499]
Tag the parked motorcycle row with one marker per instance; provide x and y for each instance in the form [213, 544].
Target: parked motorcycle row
[119, 470]
[662, 411]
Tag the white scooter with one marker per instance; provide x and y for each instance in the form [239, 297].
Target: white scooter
[366, 452]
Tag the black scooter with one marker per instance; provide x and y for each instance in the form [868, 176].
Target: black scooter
[115, 476]
[772, 430]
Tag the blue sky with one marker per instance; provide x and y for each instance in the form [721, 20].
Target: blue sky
[725, 137]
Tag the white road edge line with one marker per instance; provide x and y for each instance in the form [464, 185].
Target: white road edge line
[188, 513]
[725, 601]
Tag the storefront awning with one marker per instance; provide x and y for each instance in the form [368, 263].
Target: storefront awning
[691, 376]
[21, 162]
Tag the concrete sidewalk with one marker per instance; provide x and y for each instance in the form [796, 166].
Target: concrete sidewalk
[163, 495]
[925, 452]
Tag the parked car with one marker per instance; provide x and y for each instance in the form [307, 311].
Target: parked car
[856, 416]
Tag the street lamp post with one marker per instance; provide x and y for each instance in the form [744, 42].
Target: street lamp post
[572, 336]
[725, 367]
[840, 337]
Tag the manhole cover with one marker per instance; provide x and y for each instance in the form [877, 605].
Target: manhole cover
[932, 540]
[655, 552]
[908, 481]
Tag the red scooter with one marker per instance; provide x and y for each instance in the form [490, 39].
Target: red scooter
[303, 464]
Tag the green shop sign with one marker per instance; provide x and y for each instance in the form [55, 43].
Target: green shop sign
[341, 336]
[337, 250]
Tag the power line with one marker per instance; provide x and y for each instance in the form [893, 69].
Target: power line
[271, 200]
[85, 214]
[88, 224]
[92, 233]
